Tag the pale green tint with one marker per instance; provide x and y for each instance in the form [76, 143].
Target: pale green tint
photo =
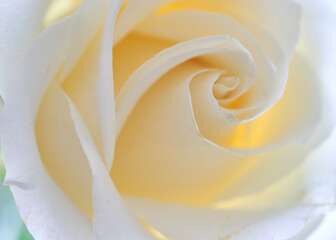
[11, 224]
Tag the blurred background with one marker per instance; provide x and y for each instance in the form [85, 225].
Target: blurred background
[11, 225]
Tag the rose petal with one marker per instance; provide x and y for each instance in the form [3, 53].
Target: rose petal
[291, 207]
[180, 222]
[59, 9]
[131, 16]
[85, 25]
[105, 85]
[151, 71]
[112, 220]
[50, 215]
[266, 14]
[20, 23]
[26, 89]
[297, 123]
[310, 226]
[326, 229]
[80, 86]
[185, 25]
[166, 146]
[60, 150]
[264, 168]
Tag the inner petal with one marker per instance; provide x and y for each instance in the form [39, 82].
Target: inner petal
[223, 86]
[60, 150]
[160, 153]
[185, 25]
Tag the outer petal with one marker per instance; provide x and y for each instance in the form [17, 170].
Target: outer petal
[20, 23]
[112, 219]
[47, 212]
[279, 18]
[326, 230]
[131, 16]
[105, 85]
[189, 223]
[292, 207]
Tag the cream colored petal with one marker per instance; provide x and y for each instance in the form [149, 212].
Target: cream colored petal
[287, 118]
[20, 23]
[112, 219]
[260, 168]
[105, 85]
[320, 173]
[48, 213]
[47, 210]
[167, 147]
[310, 227]
[133, 51]
[292, 119]
[317, 44]
[90, 86]
[289, 209]
[60, 150]
[185, 25]
[86, 24]
[80, 85]
[169, 159]
[278, 18]
[216, 50]
[89, 70]
[181, 222]
[131, 16]
[59, 9]
[326, 230]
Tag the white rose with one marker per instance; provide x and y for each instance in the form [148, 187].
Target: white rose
[218, 117]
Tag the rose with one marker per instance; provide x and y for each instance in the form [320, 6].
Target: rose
[251, 179]
[196, 153]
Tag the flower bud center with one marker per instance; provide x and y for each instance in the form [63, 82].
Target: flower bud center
[223, 85]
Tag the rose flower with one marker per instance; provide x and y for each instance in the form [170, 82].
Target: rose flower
[169, 119]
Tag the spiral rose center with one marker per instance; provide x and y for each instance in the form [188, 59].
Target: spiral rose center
[224, 85]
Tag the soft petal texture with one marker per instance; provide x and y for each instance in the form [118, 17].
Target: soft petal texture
[105, 85]
[26, 88]
[217, 51]
[59, 9]
[181, 26]
[317, 45]
[165, 115]
[131, 16]
[326, 230]
[310, 227]
[280, 212]
[270, 166]
[167, 147]
[263, 13]
[81, 84]
[112, 219]
[188, 223]
[260, 168]
[198, 157]
[185, 25]
[83, 95]
[316, 173]
[85, 25]
[48, 213]
[61, 152]
[20, 23]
